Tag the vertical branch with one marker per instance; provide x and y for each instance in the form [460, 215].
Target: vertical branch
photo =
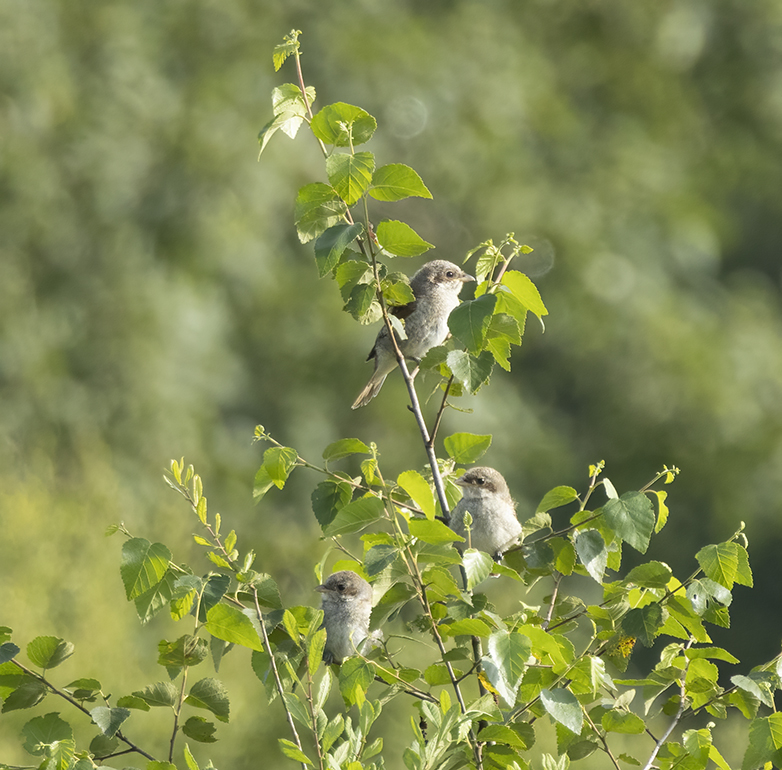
[276, 674]
[682, 706]
[177, 713]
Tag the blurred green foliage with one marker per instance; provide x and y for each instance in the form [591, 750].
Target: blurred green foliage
[155, 301]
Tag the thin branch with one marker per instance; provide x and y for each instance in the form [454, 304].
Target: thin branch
[176, 715]
[441, 410]
[603, 740]
[557, 581]
[682, 706]
[74, 702]
[276, 674]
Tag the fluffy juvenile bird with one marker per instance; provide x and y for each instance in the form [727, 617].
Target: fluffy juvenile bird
[494, 527]
[346, 605]
[436, 288]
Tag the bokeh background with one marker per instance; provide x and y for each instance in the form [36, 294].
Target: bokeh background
[156, 303]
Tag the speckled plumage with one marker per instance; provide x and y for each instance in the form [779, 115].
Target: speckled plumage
[347, 605]
[436, 288]
[494, 527]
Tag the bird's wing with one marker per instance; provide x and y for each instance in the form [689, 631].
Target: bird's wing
[403, 311]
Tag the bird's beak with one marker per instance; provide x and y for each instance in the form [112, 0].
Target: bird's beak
[460, 481]
[322, 589]
[466, 278]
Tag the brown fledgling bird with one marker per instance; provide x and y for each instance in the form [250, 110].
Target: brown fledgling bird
[494, 527]
[436, 288]
[346, 605]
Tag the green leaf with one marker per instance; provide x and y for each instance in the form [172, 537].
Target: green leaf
[292, 751]
[506, 662]
[210, 694]
[331, 244]
[362, 303]
[468, 370]
[626, 722]
[143, 566]
[378, 557]
[152, 601]
[653, 574]
[350, 175]
[644, 623]
[133, 702]
[466, 627]
[101, 746]
[328, 498]
[662, 509]
[419, 490]
[338, 123]
[315, 646]
[267, 591]
[279, 462]
[355, 516]
[743, 572]
[231, 625]
[30, 692]
[469, 322]
[109, 719]
[158, 695]
[318, 207]
[504, 331]
[355, 676]
[285, 49]
[564, 707]
[49, 651]
[188, 650]
[199, 729]
[525, 292]
[556, 498]
[396, 181]
[344, 448]
[632, 518]
[720, 563]
[592, 552]
[477, 566]
[466, 448]
[502, 734]
[433, 532]
[43, 734]
[400, 239]
[8, 651]
[765, 740]
[83, 689]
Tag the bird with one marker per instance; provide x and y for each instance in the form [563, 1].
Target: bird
[436, 288]
[346, 605]
[494, 527]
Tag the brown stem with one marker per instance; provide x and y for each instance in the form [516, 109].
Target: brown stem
[73, 702]
[276, 674]
[682, 706]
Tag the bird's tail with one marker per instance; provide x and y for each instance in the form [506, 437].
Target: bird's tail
[371, 389]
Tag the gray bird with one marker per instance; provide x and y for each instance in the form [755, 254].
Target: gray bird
[346, 605]
[494, 527]
[436, 288]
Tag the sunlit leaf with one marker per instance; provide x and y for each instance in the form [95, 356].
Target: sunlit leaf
[343, 124]
[396, 181]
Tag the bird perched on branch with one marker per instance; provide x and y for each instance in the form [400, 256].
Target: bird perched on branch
[436, 288]
[494, 527]
[346, 605]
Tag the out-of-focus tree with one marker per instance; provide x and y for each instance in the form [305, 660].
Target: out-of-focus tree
[154, 299]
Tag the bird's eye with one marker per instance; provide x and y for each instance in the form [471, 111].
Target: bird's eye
[449, 274]
[340, 587]
[480, 481]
